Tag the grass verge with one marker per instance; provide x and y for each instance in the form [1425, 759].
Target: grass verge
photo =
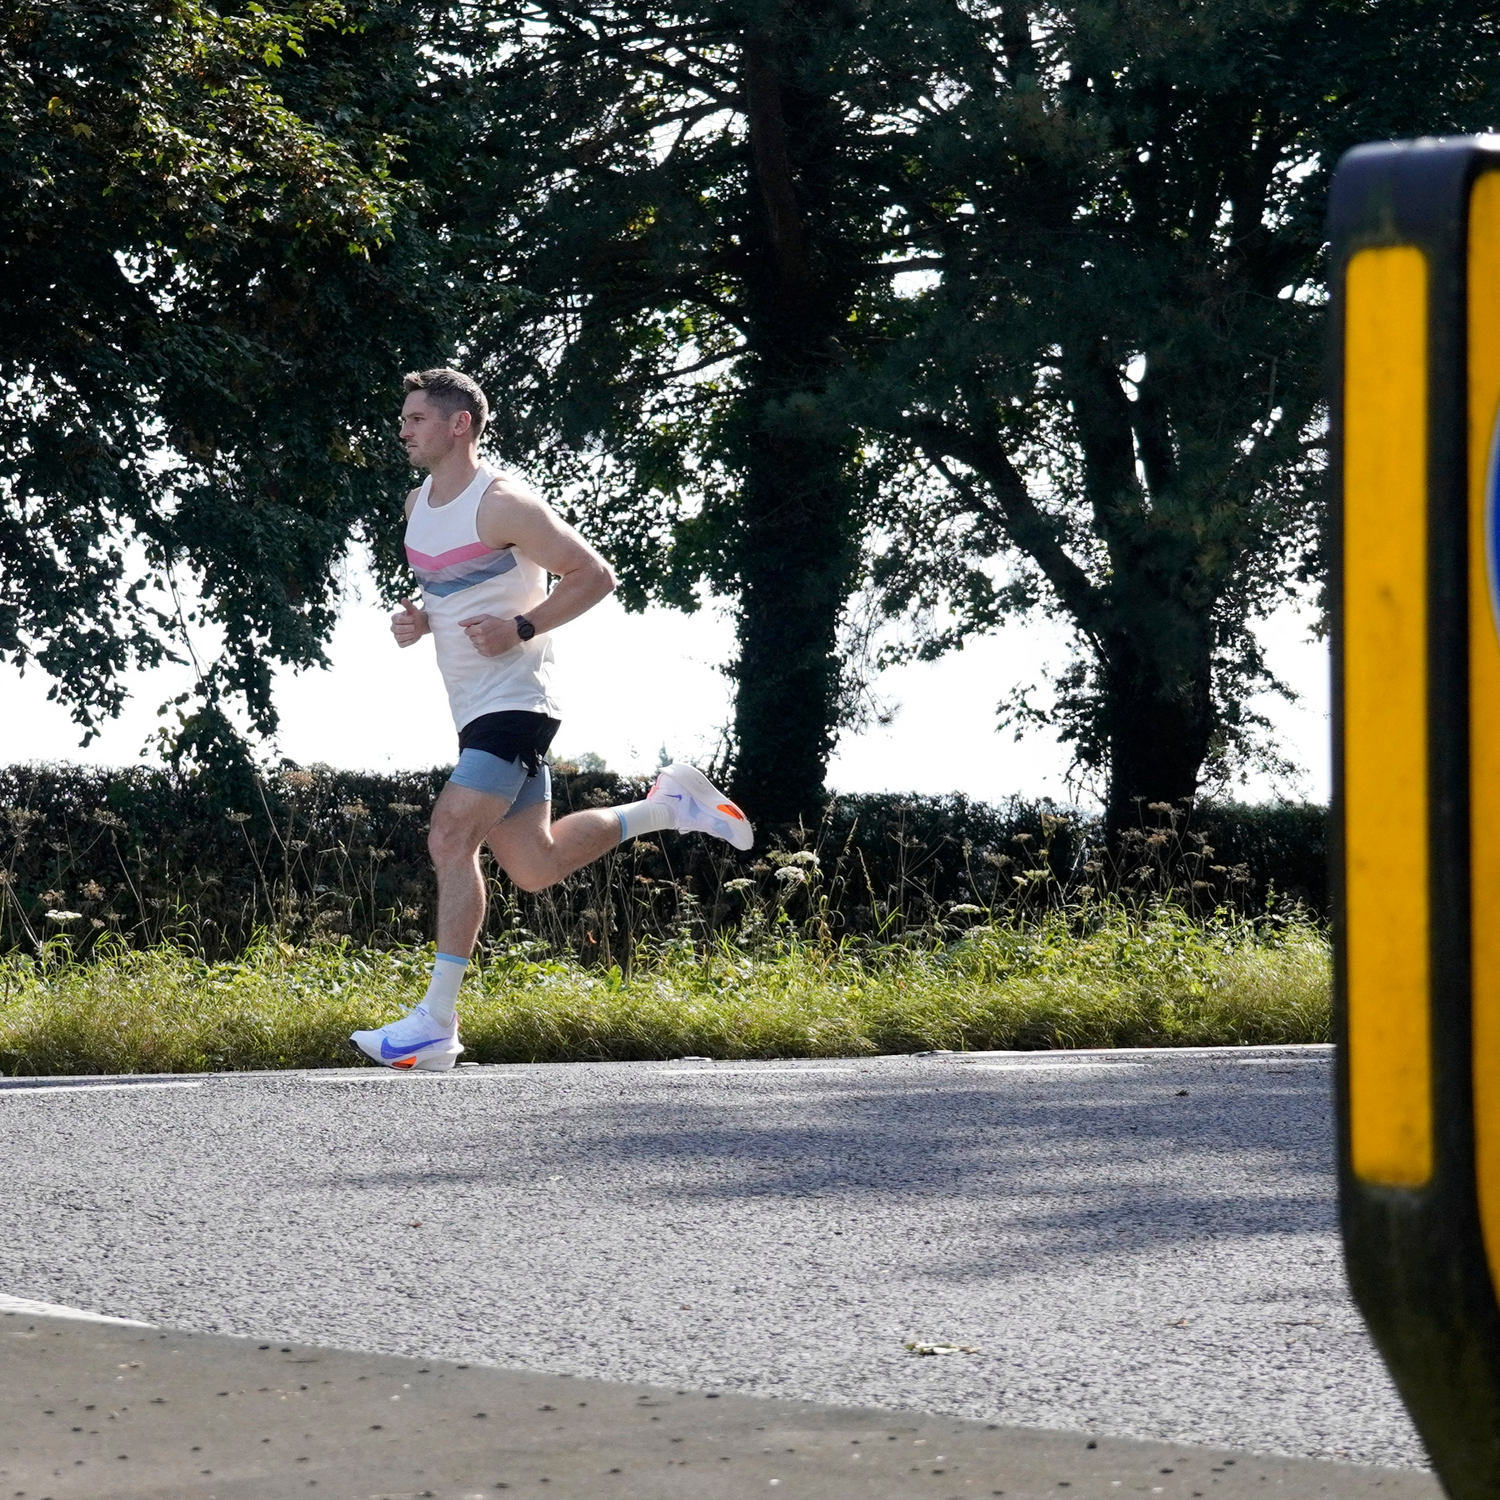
[1109, 978]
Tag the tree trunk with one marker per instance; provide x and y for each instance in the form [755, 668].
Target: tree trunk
[796, 572]
[1158, 718]
[798, 540]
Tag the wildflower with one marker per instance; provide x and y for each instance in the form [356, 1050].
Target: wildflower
[403, 809]
[238, 817]
[803, 857]
[355, 809]
[93, 890]
[106, 819]
[1020, 838]
[63, 916]
[1159, 807]
[742, 884]
[792, 875]
[54, 898]
[299, 781]
[381, 853]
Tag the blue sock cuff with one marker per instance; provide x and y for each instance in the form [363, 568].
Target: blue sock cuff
[453, 958]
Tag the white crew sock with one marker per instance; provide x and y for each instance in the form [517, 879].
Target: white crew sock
[637, 818]
[441, 1000]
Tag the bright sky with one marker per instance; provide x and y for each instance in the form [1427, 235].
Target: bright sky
[632, 684]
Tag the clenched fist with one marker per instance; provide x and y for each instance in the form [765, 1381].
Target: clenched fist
[491, 635]
[409, 624]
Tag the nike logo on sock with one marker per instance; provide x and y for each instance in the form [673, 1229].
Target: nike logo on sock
[389, 1052]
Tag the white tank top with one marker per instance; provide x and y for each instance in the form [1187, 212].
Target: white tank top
[461, 576]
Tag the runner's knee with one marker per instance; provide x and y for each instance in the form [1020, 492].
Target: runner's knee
[449, 843]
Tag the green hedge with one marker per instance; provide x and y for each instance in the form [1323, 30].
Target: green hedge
[319, 853]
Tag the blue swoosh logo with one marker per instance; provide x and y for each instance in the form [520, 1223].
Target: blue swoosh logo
[388, 1052]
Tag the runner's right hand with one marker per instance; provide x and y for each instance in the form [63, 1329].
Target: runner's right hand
[409, 624]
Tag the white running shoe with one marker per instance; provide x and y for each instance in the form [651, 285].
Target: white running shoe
[416, 1041]
[698, 806]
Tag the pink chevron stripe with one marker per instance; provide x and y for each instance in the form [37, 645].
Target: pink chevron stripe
[447, 559]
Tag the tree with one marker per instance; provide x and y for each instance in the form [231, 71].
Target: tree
[682, 219]
[200, 320]
[1111, 381]
[1116, 377]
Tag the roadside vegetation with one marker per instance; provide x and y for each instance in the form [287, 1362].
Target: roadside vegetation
[147, 927]
[1095, 975]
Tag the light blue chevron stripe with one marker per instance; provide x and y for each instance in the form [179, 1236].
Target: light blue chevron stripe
[503, 563]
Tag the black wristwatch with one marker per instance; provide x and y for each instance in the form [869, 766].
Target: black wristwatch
[524, 628]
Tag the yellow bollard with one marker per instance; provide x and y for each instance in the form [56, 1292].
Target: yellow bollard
[1415, 228]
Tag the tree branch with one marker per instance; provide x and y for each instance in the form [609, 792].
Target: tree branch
[1030, 529]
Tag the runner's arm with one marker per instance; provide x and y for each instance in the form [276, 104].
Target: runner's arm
[409, 624]
[511, 516]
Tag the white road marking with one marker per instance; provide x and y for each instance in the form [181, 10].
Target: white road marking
[28, 1308]
[1050, 1067]
[87, 1088]
[722, 1072]
[393, 1076]
[1273, 1062]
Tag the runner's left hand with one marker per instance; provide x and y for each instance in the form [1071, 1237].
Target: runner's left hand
[491, 635]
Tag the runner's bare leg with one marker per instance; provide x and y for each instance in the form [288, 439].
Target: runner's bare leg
[460, 819]
[536, 853]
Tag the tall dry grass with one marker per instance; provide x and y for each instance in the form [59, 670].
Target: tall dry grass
[1097, 974]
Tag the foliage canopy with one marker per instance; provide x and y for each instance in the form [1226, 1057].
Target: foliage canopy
[200, 318]
[945, 307]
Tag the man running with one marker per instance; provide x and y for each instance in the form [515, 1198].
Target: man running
[481, 545]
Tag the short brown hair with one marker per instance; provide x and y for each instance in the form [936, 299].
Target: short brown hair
[452, 392]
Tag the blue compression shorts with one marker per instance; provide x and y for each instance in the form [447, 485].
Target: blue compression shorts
[483, 772]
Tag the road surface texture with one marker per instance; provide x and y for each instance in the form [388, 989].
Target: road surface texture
[1134, 1245]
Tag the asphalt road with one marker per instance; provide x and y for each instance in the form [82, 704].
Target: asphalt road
[1142, 1246]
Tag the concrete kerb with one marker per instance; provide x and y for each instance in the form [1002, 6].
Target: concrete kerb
[106, 1411]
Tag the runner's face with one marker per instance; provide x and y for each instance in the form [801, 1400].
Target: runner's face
[426, 434]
